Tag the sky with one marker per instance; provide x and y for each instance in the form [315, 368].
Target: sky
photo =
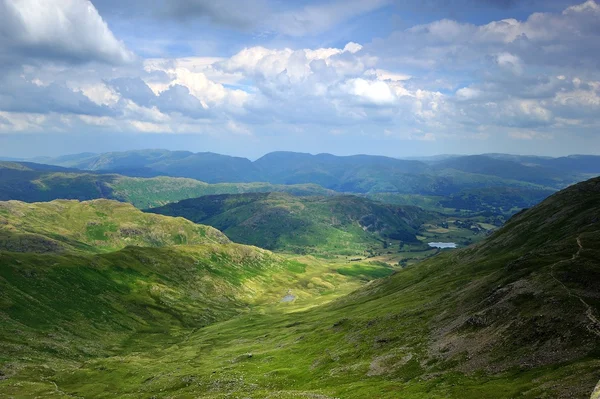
[247, 77]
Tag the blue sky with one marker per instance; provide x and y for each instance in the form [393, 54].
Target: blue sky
[398, 78]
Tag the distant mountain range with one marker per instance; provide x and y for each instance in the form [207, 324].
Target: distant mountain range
[31, 182]
[358, 174]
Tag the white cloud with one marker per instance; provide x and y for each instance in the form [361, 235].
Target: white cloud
[66, 30]
[376, 92]
[238, 128]
[588, 6]
[149, 127]
[382, 74]
[468, 93]
[570, 38]
[510, 62]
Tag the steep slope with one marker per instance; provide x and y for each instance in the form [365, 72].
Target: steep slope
[97, 226]
[345, 225]
[114, 284]
[514, 316]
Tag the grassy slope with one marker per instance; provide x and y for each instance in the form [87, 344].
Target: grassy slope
[93, 226]
[92, 296]
[153, 192]
[345, 225]
[514, 316]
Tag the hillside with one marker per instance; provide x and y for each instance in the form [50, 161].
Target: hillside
[512, 169]
[513, 316]
[116, 280]
[343, 225]
[32, 182]
[97, 226]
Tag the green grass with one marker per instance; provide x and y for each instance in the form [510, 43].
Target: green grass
[506, 318]
[368, 271]
[97, 226]
[326, 226]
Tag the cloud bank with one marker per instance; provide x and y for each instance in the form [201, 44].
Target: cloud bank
[523, 80]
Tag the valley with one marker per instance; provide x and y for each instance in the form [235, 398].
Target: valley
[421, 331]
[280, 295]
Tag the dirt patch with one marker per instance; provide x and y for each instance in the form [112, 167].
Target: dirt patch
[386, 364]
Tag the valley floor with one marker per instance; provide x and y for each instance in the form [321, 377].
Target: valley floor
[310, 347]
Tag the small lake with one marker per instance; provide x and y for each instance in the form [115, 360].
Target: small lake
[442, 245]
[288, 298]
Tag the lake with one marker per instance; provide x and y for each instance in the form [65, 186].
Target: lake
[442, 245]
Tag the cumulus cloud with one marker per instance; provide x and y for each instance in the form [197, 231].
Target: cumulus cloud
[178, 99]
[65, 30]
[20, 95]
[543, 39]
[376, 92]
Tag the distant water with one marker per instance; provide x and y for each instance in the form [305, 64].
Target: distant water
[288, 298]
[442, 244]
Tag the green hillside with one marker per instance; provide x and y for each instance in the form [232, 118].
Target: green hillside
[82, 281]
[499, 200]
[37, 182]
[96, 226]
[514, 316]
[342, 225]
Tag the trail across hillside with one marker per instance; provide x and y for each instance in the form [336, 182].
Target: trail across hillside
[589, 312]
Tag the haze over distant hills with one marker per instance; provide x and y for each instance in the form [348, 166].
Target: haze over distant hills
[358, 173]
[31, 182]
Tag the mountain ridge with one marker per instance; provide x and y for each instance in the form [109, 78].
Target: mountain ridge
[355, 173]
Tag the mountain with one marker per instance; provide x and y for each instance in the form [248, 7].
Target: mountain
[205, 166]
[345, 225]
[356, 174]
[588, 164]
[32, 182]
[509, 169]
[513, 316]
